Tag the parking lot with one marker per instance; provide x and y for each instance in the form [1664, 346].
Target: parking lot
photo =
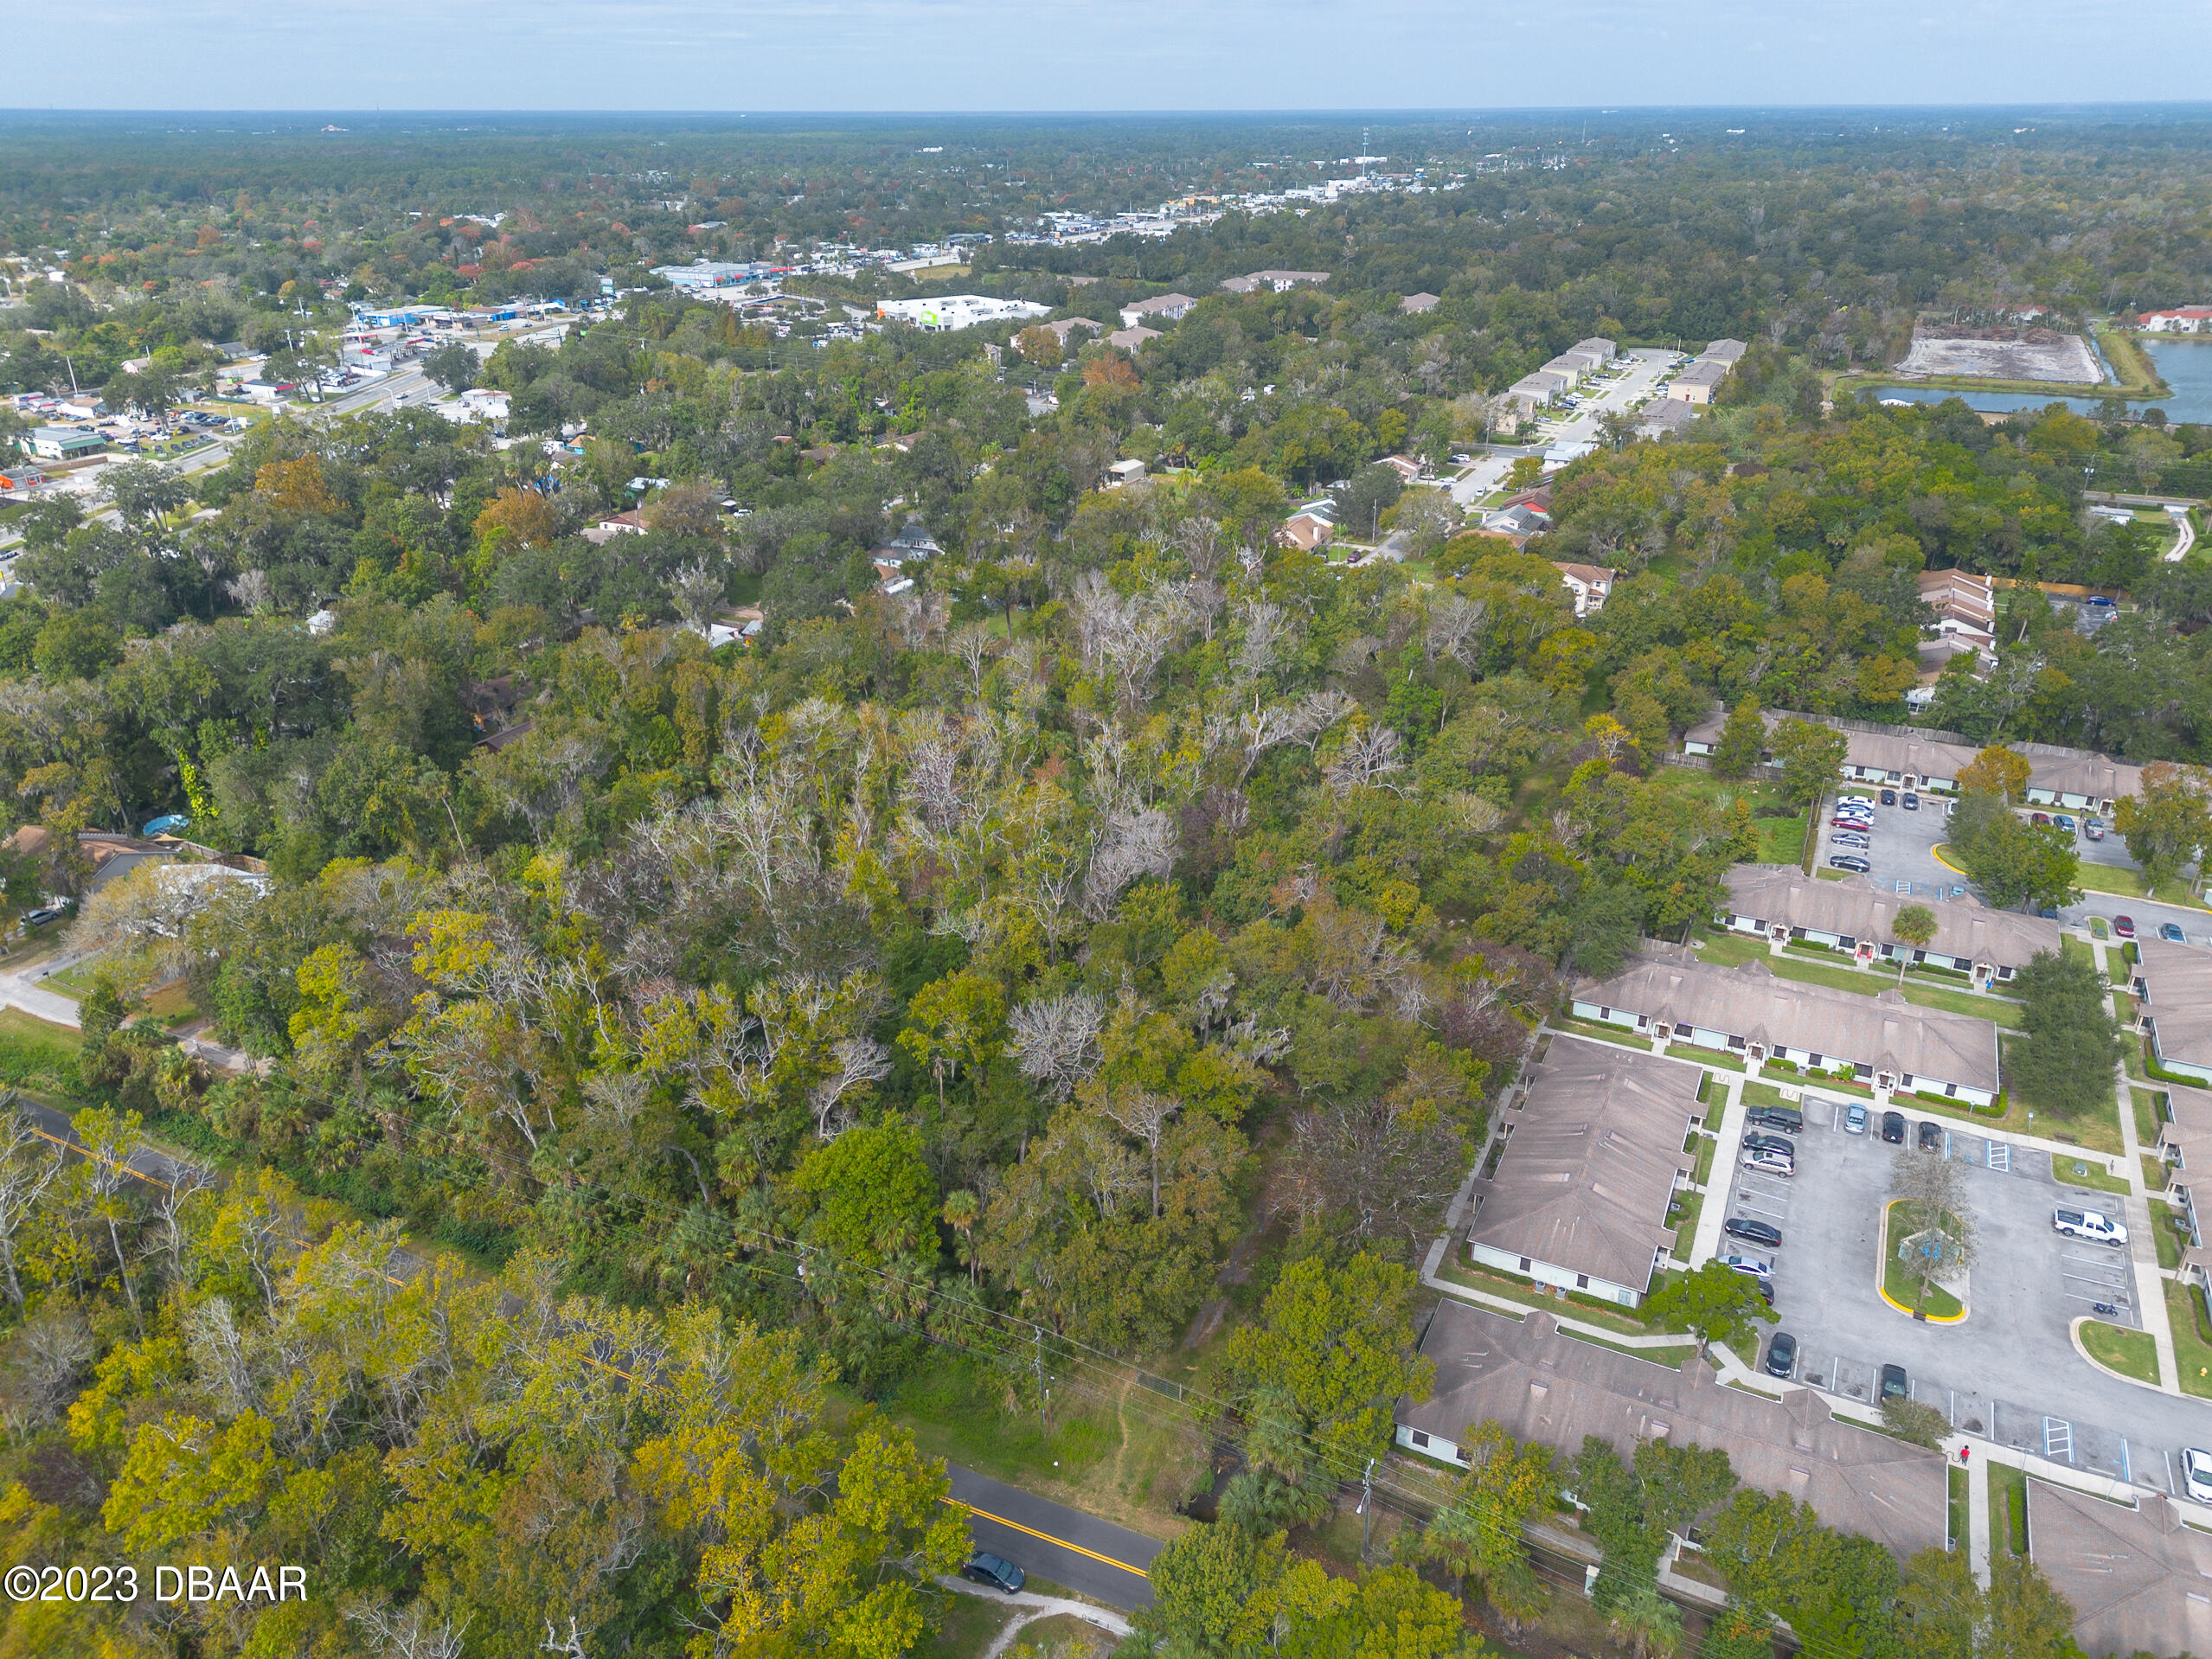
[2009, 1371]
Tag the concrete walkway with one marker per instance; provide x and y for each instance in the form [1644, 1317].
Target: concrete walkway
[1034, 1607]
[1706, 1244]
[1978, 1518]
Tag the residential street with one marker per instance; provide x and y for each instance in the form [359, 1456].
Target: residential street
[1091, 1556]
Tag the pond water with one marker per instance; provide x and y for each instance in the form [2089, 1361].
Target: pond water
[2185, 364]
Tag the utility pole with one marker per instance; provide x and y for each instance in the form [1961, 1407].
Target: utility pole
[1366, 1507]
[1037, 1365]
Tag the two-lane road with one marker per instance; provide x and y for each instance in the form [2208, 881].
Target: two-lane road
[1094, 1557]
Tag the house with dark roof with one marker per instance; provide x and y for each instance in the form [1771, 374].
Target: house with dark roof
[2137, 1576]
[1591, 1160]
[1669, 996]
[1780, 902]
[1541, 1386]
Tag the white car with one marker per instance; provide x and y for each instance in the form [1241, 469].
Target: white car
[1850, 838]
[1855, 800]
[2196, 1473]
[2088, 1223]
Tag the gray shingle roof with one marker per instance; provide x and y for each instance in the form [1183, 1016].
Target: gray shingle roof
[1782, 892]
[2140, 1581]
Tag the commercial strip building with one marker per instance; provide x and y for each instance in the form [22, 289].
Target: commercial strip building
[1541, 1386]
[1779, 901]
[1883, 1040]
[1590, 1161]
[951, 312]
[1908, 757]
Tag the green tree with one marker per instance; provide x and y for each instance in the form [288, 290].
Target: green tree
[1915, 926]
[1743, 740]
[868, 1194]
[1477, 1534]
[2169, 823]
[1715, 1303]
[1909, 1419]
[957, 1021]
[1631, 1508]
[1333, 1351]
[2074, 1043]
[1811, 755]
[454, 366]
[2014, 863]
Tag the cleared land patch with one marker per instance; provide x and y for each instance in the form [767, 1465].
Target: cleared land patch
[2013, 355]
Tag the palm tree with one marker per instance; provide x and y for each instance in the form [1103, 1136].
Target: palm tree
[1915, 924]
[1649, 1621]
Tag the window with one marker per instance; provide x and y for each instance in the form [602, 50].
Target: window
[1863, 1070]
[1950, 1088]
[1906, 1082]
[1812, 1060]
[1735, 1042]
[1526, 1264]
[1418, 1439]
[1581, 1281]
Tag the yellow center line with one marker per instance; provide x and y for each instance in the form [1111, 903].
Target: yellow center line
[1049, 1539]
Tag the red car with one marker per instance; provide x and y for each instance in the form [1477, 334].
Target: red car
[2124, 927]
[1850, 823]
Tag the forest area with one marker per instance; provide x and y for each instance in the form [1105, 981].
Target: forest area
[673, 1130]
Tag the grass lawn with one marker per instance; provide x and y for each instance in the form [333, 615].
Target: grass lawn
[1705, 1155]
[1900, 1284]
[2087, 1172]
[2074, 949]
[2163, 1217]
[2128, 884]
[1730, 949]
[1603, 1032]
[37, 1055]
[1711, 1089]
[1956, 1523]
[2155, 1169]
[1997, 1010]
[2192, 1353]
[1682, 1215]
[970, 1623]
[2131, 1353]
[1721, 1058]
[2007, 1506]
[1765, 1094]
[1514, 1289]
[2096, 1129]
[1672, 1358]
[1833, 875]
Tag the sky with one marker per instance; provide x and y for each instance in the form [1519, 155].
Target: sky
[1089, 54]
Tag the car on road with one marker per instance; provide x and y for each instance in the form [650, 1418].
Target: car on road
[1755, 1142]
[1855, 1119]
[2093, 827]
[2170, 932]
[1931, 1135]
[1786, 1117]
[2098, 602]
[996, 1571]
[1895, 1385]
[1850, 862]
[1889, 797]
[1752, 1231]
[2092, 1225]
[2124, 927]
[1892, 1128]
[1771, 1163]
[1781, 1354]
[2196, 1473]
[1912, 802]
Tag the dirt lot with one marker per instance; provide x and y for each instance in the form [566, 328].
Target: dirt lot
[2068, 358]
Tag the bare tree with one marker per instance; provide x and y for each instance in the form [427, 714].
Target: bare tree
[1455, 629]
[1143, 1117]
[1931, 1190]
[859, 1060]
[975, 645]
[1369, 758]
[1055, 1039]
[45, 1362]
[410, 1632]
[1133, 844]
[250, 589]
[29, 1164]
[696, 592]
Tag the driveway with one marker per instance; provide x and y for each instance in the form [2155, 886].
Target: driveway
[2009, 1371]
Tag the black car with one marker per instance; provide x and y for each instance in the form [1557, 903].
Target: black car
[1894, 1384]
[1889, 797]
[1751, 1231]
[1755, 1142]
[1781, 1354]
[1785, 1117]
[1892, 1128]
[1930, 1136]
[995, 1571]
[1850, 862]
[1912, 802]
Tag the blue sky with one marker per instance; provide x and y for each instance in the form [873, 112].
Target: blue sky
[1096, 54]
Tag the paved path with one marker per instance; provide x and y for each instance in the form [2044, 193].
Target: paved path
[1706, 1244]
[1978, 1519]
[1091, 1556]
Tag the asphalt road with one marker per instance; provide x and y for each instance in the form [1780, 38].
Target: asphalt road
[1094, 1557]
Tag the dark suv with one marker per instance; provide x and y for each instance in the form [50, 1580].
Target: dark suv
[1755, 1142]
[1781, 1354]
[1892, 1128]
[1894, 1384]
[1788, 1119]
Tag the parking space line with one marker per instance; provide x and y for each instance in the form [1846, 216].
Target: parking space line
[2058, 1438]
[2000, 1155]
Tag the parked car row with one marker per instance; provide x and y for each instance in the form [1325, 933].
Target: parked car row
[1851, 830]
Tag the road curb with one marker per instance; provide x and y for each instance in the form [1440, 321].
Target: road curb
[1881, 1271]
[2073, 1334]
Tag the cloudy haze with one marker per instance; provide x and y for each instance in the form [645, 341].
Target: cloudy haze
[1007, 55]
